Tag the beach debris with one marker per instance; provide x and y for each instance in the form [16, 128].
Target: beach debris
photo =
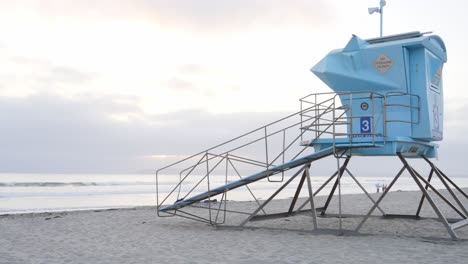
[49, 218]
[210, 201]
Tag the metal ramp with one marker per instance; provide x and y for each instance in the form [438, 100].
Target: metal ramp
[264, 174]
[252, 178]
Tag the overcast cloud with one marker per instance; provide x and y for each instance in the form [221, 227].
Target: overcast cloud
[204, 15]
[49, 133]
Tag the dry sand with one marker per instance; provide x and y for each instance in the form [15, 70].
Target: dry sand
[139, 236]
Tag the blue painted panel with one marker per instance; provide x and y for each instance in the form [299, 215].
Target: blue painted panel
[406, 65]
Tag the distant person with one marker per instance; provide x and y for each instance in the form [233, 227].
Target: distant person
[377, 185]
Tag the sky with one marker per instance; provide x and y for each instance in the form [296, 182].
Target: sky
[129, 86]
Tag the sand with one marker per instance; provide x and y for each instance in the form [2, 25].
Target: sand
[137, 235]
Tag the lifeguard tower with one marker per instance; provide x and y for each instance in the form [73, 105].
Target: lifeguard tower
[387, 100]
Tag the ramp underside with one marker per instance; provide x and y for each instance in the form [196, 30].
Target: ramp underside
[261, 175]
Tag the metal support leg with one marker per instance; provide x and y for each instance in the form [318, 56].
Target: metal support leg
[311, 199]
[445, 176]
[439, 194]
[318, 190]
[273, 196]
[298, 191]
[340, 220]
[453, 184]
[332, 192]
[422, 196]
[460, 204]
[428, 197]
[380, 198]
[364, 190]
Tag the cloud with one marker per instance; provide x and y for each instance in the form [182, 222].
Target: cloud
[27, 75]
[178, 84]
[50, 72]
[49, 133]
[55, 134]
[195, 14]
[71, 75]
[191, 69]
[213, 14]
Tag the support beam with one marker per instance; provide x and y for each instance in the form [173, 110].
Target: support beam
[380, 199]
[332, 192]
[298, 191]
[459, 224]
[460, 204]
[318, 190]
[441, 178]
[311, 199]
[364, 190]
[274, 195]
[445, 176]
[422, 196]
[428, 197]
[434, 190]
[340, 218]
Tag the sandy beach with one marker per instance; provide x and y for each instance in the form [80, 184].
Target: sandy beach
[138, 236]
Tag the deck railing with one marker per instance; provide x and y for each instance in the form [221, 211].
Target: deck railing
[322, 116]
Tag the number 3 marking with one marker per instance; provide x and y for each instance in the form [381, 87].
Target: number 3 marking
[365, 125]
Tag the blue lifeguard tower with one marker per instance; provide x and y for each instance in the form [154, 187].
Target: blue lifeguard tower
[387, 100]
[393, 93]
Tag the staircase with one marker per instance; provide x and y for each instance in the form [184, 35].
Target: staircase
[266, 154]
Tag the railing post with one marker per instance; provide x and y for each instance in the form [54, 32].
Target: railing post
[301, 101]
[351, 119]
[284, 150]
[419, 109]
[333, 123]
[373, 118]
[385, 117]
[157, 192]
[317, 112]
[208, 182]
[266, 149]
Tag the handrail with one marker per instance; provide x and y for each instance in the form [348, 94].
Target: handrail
[231, 140]
[410, 106]
[326, 114]
[347, 115]
[231, 150]
[309, 109]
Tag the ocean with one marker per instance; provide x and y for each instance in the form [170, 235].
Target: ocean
[33, 193]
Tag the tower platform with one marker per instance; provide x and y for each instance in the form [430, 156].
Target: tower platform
[408, 147]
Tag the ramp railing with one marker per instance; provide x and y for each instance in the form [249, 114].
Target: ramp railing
[324, 116]
[259, 149]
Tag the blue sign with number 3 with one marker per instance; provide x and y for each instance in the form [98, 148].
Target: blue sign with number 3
[366, 125]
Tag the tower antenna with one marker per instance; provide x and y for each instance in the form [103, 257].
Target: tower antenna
[379, 10]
